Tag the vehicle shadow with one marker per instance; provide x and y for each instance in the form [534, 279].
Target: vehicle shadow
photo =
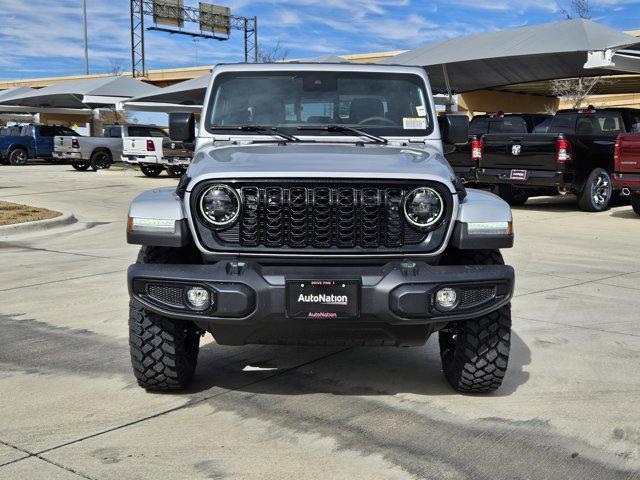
[340, 371]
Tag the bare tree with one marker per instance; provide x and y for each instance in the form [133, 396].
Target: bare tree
[276, 53]
[577, 90]
[579, 9]
[116, 67]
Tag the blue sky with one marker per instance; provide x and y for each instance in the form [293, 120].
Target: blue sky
[40, 38]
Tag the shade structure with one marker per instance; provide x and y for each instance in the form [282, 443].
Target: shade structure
[10, 94]
[323, 59]
[189, 93]
[565, 49]
[89, 93]
[14, 92]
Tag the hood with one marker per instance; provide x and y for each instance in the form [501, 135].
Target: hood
[320, 160]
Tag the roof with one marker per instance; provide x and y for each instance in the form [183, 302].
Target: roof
[565, 49]
[89, 93]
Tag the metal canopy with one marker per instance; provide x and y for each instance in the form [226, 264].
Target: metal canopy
[321, 59]
[188, 94]
[90, 93]
[565, 49]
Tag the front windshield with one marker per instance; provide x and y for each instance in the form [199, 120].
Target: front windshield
[377, 103]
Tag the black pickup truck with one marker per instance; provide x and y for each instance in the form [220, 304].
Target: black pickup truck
[574, 156]
[464, 158]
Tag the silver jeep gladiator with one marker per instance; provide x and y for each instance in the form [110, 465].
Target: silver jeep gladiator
[319, 210]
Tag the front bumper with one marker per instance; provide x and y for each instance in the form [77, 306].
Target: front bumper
[251, 296]
[534, 178]
[67, 155]
[626, 180]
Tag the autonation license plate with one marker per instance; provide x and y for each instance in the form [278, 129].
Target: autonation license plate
[519, 174]
[331, 299]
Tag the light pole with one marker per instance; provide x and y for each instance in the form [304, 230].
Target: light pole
[86, 41]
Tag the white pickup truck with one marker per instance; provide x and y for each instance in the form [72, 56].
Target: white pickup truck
[153, 151]
[97, 152]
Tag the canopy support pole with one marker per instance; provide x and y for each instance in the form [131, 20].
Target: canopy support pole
[448, 84]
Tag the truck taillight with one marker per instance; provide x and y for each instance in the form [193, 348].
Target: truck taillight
[75, 143]
[151, 147]
[616, 153]
[563, 150]
[477, 145]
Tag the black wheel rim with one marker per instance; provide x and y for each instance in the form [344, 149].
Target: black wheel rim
[20, 157]
[102, 161]
[601, 190]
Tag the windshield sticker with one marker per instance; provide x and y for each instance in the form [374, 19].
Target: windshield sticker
[414, 123]
[422, 112]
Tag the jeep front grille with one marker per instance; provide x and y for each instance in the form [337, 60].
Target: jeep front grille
[322, 217]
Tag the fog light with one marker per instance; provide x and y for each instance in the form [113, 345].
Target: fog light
[198, 298]
[446, 299]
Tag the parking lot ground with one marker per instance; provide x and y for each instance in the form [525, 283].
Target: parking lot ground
[70, 408]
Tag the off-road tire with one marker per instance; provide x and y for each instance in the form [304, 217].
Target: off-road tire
[475, 352]
[101, 160]
[81, 166]
[586, 198]
[176, 172]
[151, 170]
[635, 202]
[164, 352]
[515, 197]
[18, 156]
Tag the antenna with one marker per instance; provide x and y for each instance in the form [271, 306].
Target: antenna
[214, 22]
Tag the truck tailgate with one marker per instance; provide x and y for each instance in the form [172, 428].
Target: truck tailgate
[520, 151]
[64, 145]
[629, 154]
[137, 146]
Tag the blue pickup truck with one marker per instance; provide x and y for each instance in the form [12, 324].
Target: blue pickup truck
[20, 143]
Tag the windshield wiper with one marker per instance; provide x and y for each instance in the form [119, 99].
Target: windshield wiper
[259, 129]
[344, 128]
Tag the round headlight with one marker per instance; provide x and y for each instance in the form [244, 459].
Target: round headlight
[423, 207]
[220, 205]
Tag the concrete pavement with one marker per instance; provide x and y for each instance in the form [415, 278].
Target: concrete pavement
[70, 408]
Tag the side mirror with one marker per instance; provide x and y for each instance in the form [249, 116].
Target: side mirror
[454, 129]
[182, 127]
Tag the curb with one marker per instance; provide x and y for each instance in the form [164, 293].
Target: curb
[67, 218]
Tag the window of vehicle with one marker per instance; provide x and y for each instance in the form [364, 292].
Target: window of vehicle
[598, 123]
[139, 131]
[379, 103]
[634, 125]
[508, 125]
[543, 126]
[56, 131]
[479, 126]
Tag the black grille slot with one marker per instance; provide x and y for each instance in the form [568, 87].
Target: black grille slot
[300, 215]
[250, 228]
[322, 217]
[346, 228]
[166, 294]
[394, 218]
[274, 217]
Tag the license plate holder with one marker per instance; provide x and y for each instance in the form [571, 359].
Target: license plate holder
[323, 299]
[517, 174]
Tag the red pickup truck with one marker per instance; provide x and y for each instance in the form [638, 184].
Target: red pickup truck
[626, 157]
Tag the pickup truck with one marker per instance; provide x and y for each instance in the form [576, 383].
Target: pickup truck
[627, 165]
[143, 146]
[20, 143]
[154, 152]
[574, 156]
[95, 152]
[463, 158]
